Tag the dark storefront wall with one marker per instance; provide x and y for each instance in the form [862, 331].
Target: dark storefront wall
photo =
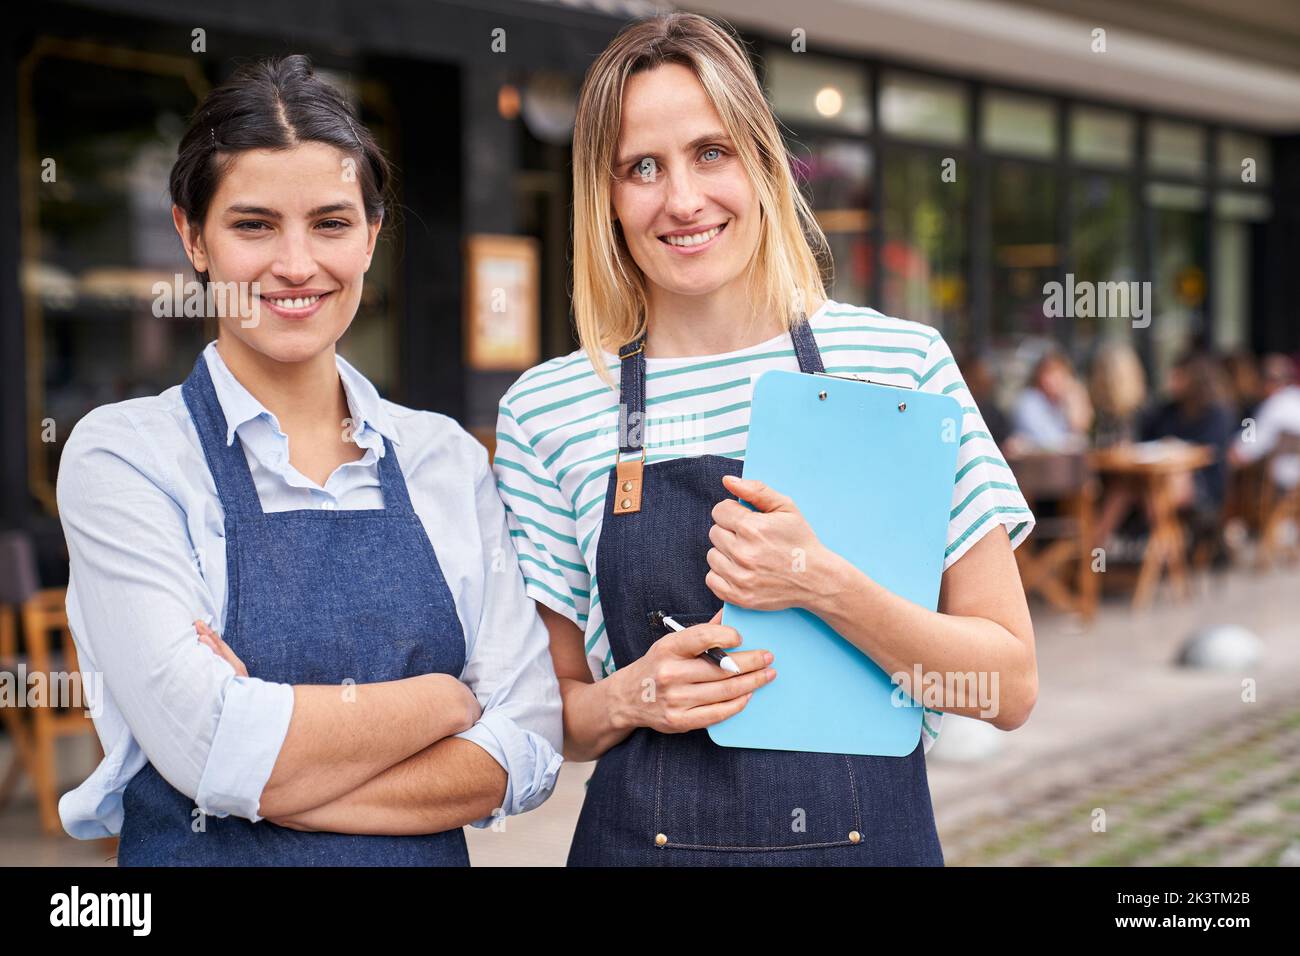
[961, 258]
[429, 90]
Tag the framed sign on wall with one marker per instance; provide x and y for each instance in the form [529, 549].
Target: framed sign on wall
[502, 313]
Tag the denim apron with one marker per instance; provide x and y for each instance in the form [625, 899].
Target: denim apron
[314, 597]
[660, 799]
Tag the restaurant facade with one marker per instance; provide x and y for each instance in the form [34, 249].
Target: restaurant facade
[952, 193]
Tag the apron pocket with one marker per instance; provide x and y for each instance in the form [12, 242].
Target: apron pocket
[709, 797]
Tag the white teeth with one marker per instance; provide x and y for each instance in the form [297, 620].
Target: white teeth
[693, 240]
[296, 303]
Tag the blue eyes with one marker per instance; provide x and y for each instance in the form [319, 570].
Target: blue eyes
[647, 169]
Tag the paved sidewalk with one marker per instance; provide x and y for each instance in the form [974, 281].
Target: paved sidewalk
[1185, 771]
[1176, 760]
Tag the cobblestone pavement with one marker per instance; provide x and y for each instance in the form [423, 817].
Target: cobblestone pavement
[1222, 796]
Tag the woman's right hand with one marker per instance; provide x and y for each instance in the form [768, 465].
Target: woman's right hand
[672, 689]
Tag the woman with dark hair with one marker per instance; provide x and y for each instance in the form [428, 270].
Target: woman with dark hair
[1197, 411]
[381, 678]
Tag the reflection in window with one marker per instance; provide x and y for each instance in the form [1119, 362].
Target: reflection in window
[1101, 137]
[818, 91]
[103, 240]
[838, 174]
[1102, 251]
[1014, 123]
[924, 256]
[1025, 252]
[920, 107]
[1178, 270]
[1177, 148]
[1239, 224]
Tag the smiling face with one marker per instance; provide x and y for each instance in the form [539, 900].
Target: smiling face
[688, 212]
[291, 221]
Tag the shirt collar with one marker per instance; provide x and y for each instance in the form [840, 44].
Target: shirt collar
[366, 408]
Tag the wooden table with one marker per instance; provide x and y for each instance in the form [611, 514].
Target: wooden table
[1156, 468]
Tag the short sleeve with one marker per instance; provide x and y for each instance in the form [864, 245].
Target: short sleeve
[543, 524]
[985, 493]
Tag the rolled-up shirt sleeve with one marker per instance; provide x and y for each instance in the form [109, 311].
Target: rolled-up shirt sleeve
[135, 590]
[508, 666]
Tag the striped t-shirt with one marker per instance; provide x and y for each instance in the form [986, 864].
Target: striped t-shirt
[557, 438]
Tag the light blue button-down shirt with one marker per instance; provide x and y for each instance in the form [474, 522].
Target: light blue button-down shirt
[145, 535]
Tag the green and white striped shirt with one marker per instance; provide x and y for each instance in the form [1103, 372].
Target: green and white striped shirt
[557, 438]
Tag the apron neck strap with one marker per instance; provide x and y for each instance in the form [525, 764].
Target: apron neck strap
[229, 466]
[631, 409]
[227, 463]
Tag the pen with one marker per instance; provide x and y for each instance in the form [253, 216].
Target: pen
[715, 654]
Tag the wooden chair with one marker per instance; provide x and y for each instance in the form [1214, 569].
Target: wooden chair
[36, 730]
[1056, 561]
[1278, 506]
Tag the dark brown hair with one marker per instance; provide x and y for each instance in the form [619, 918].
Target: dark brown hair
[273, 103]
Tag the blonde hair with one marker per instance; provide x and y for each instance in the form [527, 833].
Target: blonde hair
[609, 290]
[1117, 381]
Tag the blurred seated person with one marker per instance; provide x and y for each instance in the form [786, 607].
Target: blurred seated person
[1245, 384]
[1053, 413]
[1278, 414]
[1117, 385]
[981, 380]
[1196, 411]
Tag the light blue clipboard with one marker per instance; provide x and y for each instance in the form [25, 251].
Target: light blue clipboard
[872, 469]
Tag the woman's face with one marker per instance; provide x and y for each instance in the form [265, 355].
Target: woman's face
[293, 222]
[677, 175]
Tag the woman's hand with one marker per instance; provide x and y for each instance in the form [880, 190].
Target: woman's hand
[767, 559]
[212, 640]
[672, 689]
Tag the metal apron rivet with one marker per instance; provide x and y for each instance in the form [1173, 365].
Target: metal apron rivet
[660, 839]
[855, 836]
[627, 486]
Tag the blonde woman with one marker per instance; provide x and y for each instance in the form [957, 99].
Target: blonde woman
[1117, 385]
[619, 467]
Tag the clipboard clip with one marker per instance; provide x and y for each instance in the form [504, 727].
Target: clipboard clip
[858, 378]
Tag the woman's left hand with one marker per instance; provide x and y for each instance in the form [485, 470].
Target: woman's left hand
[765, 559]
[212, 640]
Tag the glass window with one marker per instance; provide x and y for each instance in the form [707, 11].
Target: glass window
[925, 255]
[836, 174]
[1178, 271]
[819, 91]
[1102, 213]
[1101, 137]
[1238, 229]
[1019, 124]
[921, 107]
[1241, 156]
[103, 240]
[1025, 252]
[1177, 148]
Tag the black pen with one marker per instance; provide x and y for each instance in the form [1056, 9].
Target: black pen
[715, 654]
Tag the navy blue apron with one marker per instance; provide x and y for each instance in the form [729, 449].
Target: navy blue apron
[314, 597]
[660, 799]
